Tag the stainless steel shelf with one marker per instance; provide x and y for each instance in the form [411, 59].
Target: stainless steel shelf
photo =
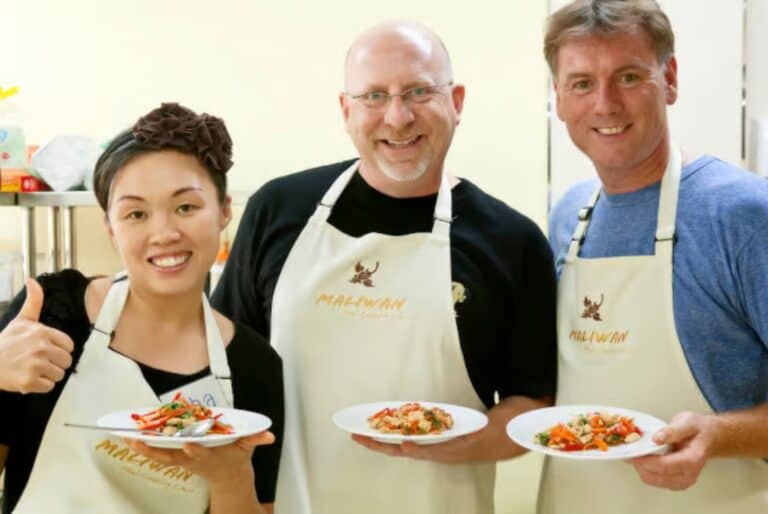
[77, 199]
[54, 199]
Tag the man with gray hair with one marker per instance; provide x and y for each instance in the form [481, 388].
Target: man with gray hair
[672, 250]
[384, 279]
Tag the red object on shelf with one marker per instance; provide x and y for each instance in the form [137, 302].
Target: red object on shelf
[31, 184]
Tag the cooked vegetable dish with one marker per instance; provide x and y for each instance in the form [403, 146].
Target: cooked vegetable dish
[411, 419]
[589, 431]
[177, 414]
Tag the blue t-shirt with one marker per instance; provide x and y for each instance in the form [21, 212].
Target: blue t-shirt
[720, 268]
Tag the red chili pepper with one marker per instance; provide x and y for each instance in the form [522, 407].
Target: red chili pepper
[155, 424]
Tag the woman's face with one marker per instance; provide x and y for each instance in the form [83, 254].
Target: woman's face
[165, 220]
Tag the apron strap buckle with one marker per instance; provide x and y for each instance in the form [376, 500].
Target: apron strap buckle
[585, 213]
[580, 239]
[672, 238]
[666, 234]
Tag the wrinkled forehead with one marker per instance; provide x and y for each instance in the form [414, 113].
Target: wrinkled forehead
[396, 57]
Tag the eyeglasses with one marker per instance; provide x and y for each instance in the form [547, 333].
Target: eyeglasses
[415, 95]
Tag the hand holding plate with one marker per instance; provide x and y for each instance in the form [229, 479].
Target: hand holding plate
[690, 437]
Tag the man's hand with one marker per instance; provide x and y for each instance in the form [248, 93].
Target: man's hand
[691, 438]
[449, 452]
[489, 444]
[33, 357]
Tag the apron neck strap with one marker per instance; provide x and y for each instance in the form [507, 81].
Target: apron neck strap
[110, 311]
[443, 207]
[112, 308]
[217, 353]
[334, 192]
[665, 227]
[670, 186]
[580, 232]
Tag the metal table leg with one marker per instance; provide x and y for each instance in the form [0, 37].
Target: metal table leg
[68, 237]
[54, 262]
[29, 246]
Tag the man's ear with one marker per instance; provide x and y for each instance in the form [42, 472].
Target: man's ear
[344, 104]
[670, 79]
[558, 92]
[458, 92]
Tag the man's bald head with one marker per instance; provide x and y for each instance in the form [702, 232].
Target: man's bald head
[397, 39]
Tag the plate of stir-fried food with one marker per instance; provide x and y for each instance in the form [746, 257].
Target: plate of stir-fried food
[416, 421]
[588, 432]
[167, 425]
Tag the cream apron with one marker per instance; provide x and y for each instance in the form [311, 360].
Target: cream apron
[84, 471]
[631, 357]
[361, 320]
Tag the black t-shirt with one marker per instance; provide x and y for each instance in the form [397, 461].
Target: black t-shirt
[257, 385]
[506, 322]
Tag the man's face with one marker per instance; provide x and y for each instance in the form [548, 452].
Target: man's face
[401, 139]
[612, 94]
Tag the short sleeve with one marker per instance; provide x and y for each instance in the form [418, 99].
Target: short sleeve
[235, 294]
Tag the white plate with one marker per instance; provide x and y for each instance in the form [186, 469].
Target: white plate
[243, 422]
[355, 421]
[523, 428]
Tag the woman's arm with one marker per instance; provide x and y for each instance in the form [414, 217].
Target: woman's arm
[233, 497]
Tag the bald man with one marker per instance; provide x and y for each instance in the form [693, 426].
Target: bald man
[384, 279]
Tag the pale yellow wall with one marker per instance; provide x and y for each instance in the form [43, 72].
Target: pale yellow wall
[272, 70]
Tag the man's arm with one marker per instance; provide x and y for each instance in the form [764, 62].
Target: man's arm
[696, 438]
[489, 444]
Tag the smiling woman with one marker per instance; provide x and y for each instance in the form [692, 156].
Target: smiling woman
[138, 339]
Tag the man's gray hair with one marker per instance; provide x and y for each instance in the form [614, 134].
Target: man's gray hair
[607, 17]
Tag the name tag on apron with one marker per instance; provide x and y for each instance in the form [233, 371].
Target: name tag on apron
[204, 391]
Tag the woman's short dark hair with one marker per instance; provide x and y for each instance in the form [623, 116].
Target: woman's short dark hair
[169, 127]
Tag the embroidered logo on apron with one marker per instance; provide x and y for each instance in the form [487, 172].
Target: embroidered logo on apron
[163, 475]
[363, 276]
[459, 293]
[342, 299]
[592, 309]
[383, 307]
[592, 340]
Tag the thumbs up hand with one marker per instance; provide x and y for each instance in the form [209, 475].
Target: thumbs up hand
[33, 357]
